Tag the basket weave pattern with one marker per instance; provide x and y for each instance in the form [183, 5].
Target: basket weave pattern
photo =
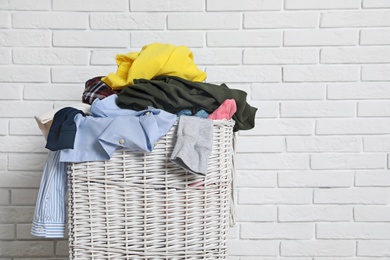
[143, 206]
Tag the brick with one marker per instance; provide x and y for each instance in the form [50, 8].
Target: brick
[244, 39]
[16, 214]
[217, 56]
[266, 109]
[314, 213]
[90, 5]
[50, 57]
[23, 231]
[25, 126]
[26, 197]
[250, 213]
[317, 109]
[53, 92]
[323, 144]
[372, 178]
[243, 5]
[25, 162]
[233, 232]
[244, 74]
[355, 55]
[25, 38]
[375, 4]
[374, 108]
[320, 73]
[24, 74]
[62, 248]
[25, 5]
[11, 91]
[272, 258]
[318, 248]
[80, 75]
[376, 73]
[316, 179]
[377, 90]
[280, 56]
[288, 91]
[264, 144]
[23, 108]
[253, 247]
[19, 179]
[26, 144]
[281, 20]
[189, 39]
[50, 20]
[255, 178]
[277, 231]
[373, 248]
[355, 19]
[5, 20]
[352, 126]
[26, 248]
[373, 196]
[204, 21]
[105, 57]
[167, 6]
[375, 36]
[372, 214]
[127, 21]
[5, 57]
[272, 161]
[274, 196]
[7, 231]
[321, 37]
[348, 161]
[353, 231]
[321, 4]
[282, 127]
[90, 39]
[4, 127]
[4, 197]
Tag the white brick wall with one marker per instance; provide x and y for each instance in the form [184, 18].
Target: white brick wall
[312, 179]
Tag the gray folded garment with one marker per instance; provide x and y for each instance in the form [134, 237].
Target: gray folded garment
[194, 144]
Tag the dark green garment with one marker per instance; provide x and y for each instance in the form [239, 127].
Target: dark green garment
[174, 94]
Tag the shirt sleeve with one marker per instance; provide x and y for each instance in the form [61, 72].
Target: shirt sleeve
[50, 211]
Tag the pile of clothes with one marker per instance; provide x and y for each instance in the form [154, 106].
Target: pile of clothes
[133, 108]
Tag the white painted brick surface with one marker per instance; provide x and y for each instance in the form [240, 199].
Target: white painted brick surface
[312, 179]
[280, 56]
[321, 4]
[54, 20]
[320, 37]
[320, 73]
[281, 20]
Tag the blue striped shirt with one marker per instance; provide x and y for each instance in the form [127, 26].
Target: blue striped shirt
[50, 217]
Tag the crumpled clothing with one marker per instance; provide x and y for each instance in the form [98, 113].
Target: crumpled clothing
[194, 144]
[174, 94]
[225, 111]
[187, 112]
[96, 89]
[97, 138]
[153, 60]
[45, 120]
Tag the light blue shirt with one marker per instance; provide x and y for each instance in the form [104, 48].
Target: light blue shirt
[97, 137]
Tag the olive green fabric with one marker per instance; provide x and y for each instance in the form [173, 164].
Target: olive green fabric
[174, 94]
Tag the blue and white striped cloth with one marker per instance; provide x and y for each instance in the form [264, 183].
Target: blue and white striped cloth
[50, 211]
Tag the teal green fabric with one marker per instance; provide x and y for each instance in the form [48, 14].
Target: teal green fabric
[174, 94]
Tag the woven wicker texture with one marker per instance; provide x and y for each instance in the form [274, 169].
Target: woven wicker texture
[142, 206]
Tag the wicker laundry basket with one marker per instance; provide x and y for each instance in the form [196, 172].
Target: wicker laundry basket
[142, 206]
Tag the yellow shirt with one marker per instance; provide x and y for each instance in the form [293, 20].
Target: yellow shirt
[154, 59]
